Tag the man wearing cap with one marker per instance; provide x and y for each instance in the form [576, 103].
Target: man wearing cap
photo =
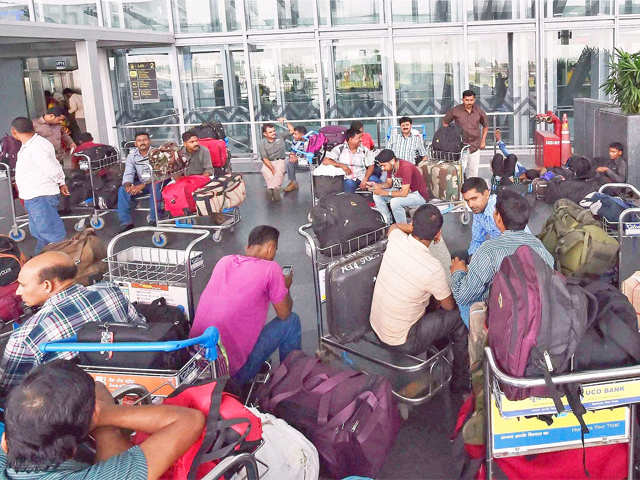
[50, 127]
[404, 187]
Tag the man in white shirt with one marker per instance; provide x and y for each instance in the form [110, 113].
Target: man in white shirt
[76, 107]
[356, 161]
[40, 181]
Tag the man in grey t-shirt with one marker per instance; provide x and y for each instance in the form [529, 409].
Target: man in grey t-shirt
[199, 158]
[272, 151]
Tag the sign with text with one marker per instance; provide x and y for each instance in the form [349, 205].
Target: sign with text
[143, 82]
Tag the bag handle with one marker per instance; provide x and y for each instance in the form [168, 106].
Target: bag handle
[622, 334]
[325, 389]
[306, 370]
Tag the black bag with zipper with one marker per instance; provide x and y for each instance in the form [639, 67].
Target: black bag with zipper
[159, 310]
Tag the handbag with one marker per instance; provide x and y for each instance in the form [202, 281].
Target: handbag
[220, 193]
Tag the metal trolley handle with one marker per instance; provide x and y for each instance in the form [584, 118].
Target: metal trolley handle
[209, 340]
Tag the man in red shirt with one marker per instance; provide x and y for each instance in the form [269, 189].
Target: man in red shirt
[404, 187]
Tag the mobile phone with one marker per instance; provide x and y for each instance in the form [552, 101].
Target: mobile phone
[287, 269]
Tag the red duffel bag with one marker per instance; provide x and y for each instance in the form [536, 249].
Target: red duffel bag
[178, 196]
[230, 429]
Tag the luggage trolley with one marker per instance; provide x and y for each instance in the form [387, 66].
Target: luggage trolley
[92, 167]
[607, 395]
[369, 354]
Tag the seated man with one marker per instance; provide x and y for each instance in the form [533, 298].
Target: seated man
[408, 144]
[137, 168]
[47, 281]
[58, 405]
[236, 301]
[367, 139]
[409, 277]
[298, 143]
[404, 187]
[472, 284]
[483, 205]
[354, 159]
[616, 169]
[199, 158]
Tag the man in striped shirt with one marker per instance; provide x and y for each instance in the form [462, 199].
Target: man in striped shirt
[472, 284]
[48, 280]
[407, 145]
[58, 405]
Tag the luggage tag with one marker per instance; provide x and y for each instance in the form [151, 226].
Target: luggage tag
[106, 336]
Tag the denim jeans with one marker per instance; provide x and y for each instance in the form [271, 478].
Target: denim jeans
[283, 335]
[126, 202]
[291, 170]
[350, 186]
[397, 204]
[45, 224]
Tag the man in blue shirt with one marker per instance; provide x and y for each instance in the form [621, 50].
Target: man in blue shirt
[58, 405]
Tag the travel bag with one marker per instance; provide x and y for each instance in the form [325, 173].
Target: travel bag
[228, 191]
[10, 303]
[99, 154]
[324, 185]
[11, 260]
[178, 196]
[87, 251]
[213, 130]
[442, 179]
[448, 139]
[160, 310]
[574, 190]
[217, 151]
[167, 159]
[9, 148]
[351, 417]
[230, 428]
[577, 241]
[342, 221]
[349, 288]
[631, 289]
[335, 135]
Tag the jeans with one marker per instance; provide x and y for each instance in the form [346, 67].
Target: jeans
[283, 335]
[45, 224]
[291, 170]
[126, 202]
[397, 204]
[350, 186]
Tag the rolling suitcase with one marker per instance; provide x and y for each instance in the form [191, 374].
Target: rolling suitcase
[442, 179]
[349, 286]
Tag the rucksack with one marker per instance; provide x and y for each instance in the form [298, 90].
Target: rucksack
[9, 148]
[580, 166]
[448, 139]
[178, 196]
[217, 150]
[335, 135]
[574, 190]
[167, 159]
[613, 340]
[11, 260]
[577, 241]
[213, 130]
[316, 142]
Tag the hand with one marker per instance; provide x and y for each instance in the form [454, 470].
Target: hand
[293, 158]
[378, 190]
[346, 169]
[602, 169]
[483, 144]
[64, 190]
[458, 265]
[137, 188]
[281, 119]
[364, 185]
[288, 279]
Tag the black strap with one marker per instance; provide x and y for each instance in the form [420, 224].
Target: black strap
[622, 334]
[551, 388]
[573, 397]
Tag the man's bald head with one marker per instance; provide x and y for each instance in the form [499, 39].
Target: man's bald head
[45, 275]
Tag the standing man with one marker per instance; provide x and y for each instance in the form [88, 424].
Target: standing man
[50, 127]
[469, 117]
[406, 145]
[76, 107]
[40, 181]
[272, 152]
[199, 158]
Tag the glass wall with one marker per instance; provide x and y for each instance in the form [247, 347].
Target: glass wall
[501, 10]
[349, 12]
[13, 11]
[577, 8]
[72, 12]
[270, 14]
[198, 16]
[629, 6]
[425, 11]
[136, 15]
[630, 39]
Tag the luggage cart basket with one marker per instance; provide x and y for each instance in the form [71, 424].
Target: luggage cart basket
[92, 167]
[611, 379]
[368, 352]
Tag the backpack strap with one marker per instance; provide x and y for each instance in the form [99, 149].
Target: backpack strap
[621, 333]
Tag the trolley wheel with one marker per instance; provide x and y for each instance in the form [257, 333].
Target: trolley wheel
[79, 225]
[148, 218]
[217, 235]
[465, 217]
[97, 223]
[159, 239]
[17, 235]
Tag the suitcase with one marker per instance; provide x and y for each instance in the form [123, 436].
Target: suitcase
[631, 289]
[335, 135]
[442, 179]
[324, 185]
[178, 196]
[349, 286]
[217, 151]
[227, 191]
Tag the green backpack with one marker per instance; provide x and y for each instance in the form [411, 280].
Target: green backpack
[577, 241]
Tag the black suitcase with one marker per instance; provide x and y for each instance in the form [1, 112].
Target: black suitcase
[349, 287]
[342, 221]
[159, 310]
[324, 185]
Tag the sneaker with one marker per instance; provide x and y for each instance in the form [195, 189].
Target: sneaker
[270, 193]
[291, 187]
[125, 228]
[276, 194]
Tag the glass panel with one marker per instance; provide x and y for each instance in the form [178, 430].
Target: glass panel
[427, 74]
[295, 13]
[194, 16]
[348, 12]
[425, 11]
[285, 81]
[576, 65]
[502, 73]
[629, 6]
[70, 12]
[138, 15]
[261, 14]
[577, 8]
[504, 10]
[13, 11]
[630, 40]
[210, 93]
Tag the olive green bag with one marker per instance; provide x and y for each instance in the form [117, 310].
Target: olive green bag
[577, 241]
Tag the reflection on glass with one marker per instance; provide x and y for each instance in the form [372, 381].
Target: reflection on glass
[576, 65]
[285, 82]
[261, 14]
[427, 74]
[13, 11]
[348, 12]
[505, 10]
[629, 7]
[193, 16]
[425, 11]
[71, 12]
[577, 8]
[136, 15]
[630, 40]
[502, 73]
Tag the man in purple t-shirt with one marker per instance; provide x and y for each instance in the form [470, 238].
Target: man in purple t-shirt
[404, 187]
[236, 301]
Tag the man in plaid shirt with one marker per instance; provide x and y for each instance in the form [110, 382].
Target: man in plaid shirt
[47, 280]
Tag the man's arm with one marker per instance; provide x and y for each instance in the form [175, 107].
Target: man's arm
[478, 235]
[403, 227]
[380, 190]
[129, 171]
[52, 165]
[367, 174]
[332, 159]
[470, 286]
[421, 150]
[484, 121]
[448, 118]
[66, 138]
[448, 303]
[289, 125]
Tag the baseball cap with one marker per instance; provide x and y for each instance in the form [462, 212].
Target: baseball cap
[385, 155]
[57, 110]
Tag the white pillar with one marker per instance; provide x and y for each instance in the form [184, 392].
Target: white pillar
[92, 89]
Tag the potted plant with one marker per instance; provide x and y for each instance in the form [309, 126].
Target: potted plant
[623, 84]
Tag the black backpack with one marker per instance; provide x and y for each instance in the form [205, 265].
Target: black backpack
[574, 190]
[613, 340]
[581, 167]
[213, 130]
[448, 139]
[11, 260]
